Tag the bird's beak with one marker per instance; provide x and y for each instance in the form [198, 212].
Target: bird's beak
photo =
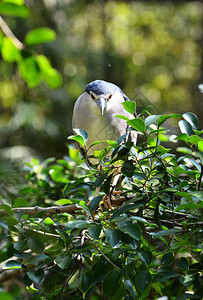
[101, 102]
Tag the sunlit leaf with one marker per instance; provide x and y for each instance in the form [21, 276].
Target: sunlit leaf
[39, 35]
[137, 124]
[185, 127]
[14, 10]
[9, 51]
[12, 264]
[129, 106]
[192, 119]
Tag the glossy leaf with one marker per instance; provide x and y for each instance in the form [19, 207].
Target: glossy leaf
[185, 127]
[94, 203]
[111, 283]
[143, 280]
[132, 229]
[137, 124]
[63, 260]
[192, 120]
[35, 244]
[113, 237]
[129, 106]
[163, 118]
[36, 276]
[94, 231]
[77, 138]
[87, 280]
[12, 264]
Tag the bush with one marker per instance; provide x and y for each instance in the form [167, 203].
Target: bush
[147, 246]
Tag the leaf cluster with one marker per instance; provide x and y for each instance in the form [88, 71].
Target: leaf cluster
[148, 246]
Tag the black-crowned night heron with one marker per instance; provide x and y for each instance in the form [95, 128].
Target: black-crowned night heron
[95, 111]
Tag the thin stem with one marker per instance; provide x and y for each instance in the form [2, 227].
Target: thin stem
[200, 179]
[7, 31]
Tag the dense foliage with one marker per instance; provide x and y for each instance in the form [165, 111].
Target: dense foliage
[58, 240]
[147, 246]
[149, 48]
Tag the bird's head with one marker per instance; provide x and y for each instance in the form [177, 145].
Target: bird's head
[102, 95]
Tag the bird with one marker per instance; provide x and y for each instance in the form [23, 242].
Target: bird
[95, 111]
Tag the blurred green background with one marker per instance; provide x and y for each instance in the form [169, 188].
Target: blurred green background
[151, 49]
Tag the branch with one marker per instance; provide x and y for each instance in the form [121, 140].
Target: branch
[7, 31]
[45, 210]
[56, 209]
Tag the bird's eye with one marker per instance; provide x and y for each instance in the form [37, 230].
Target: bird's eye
[92, 96]
[109, 97]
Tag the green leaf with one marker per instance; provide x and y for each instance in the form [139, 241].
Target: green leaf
[7, 208]
[137, 124]
[51, 76]
[167, 258]
[36, 276]
[63, 260]
[95, 230]
[121, 117]
[129, 106]
[99, 154]
[14, 10]
[146, 256]
[151, 120]
[189, 206]
[94, 203]
[185, 127]
[35, 244]
[126, 207]
[182, 263]
[12, 221]
[48, 221]
[112, 144]
[29, 70]
[185, 296]
[194, 139]
[111, 283]
[6, 296]
[77, 138]
[18, 2]
[183, 137]
[87, 278]
[12, 264]
[9, 51]
[113, 237]
[187, 280]
[21, 202]
[192, 119]
[128, 168]
[20, 245]
[143, 280]
[39, 35]
[163, 118]
[200, 146]
[79, 224]
[132, 229]
[166, 232]
[164, 274]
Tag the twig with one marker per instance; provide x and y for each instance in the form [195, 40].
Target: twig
[200, 178]
[7, 31]
[99, 250]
